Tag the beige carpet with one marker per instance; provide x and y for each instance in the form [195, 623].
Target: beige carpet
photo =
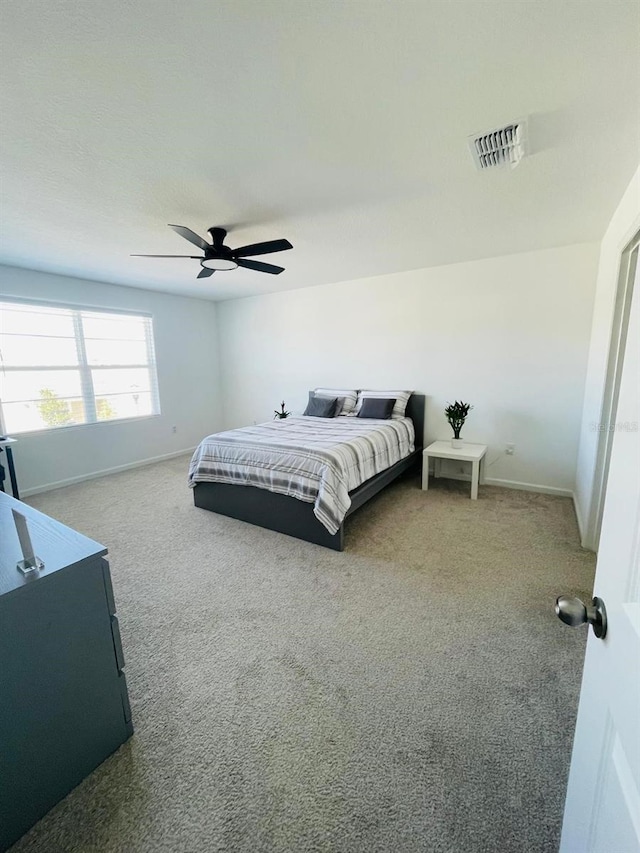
[414, 693]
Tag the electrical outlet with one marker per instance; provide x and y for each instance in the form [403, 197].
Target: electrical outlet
[510, 449]
[174, 429]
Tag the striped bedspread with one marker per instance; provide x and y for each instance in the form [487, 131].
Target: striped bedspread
[318, 460]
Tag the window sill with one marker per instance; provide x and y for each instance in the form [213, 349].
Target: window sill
[52, 430]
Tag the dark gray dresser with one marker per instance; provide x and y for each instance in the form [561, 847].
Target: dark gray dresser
[63, 696]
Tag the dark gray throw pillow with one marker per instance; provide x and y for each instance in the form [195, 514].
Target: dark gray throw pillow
[376, 407]
[320, 407]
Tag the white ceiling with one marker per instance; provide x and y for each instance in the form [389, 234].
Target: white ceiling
[340, 125]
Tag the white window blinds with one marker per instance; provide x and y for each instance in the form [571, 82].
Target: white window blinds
[66, 366]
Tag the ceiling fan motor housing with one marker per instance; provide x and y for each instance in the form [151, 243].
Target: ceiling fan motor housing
[217, 237]
[217, 256]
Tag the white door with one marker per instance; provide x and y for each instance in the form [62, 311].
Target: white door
[602, 811]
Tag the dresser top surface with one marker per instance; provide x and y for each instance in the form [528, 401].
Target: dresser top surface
[57, 545]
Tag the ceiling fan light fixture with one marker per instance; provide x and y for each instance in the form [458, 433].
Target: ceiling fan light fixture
[218, 264]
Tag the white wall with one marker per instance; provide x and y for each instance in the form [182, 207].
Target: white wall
[508, 334]
[624, 224]
[188, 379]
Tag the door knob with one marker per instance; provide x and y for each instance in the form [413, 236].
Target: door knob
[573, 611]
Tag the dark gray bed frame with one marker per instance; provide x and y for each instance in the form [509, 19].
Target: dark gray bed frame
[295, 517]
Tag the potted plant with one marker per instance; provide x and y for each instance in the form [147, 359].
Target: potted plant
[282, 413]
[456, 413]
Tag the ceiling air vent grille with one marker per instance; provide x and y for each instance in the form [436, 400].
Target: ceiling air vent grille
[504, 146]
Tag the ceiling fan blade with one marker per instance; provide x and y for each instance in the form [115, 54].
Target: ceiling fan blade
[197, 257]
[190, 235]
[205, 273]
[260, 267]
[262, 248]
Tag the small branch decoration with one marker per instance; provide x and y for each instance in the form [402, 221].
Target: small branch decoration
[456, 413]
[281, 414]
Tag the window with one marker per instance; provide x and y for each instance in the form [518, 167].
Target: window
[65, 366]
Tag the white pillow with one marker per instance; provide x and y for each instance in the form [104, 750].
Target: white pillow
[401, 398]
[350, 397]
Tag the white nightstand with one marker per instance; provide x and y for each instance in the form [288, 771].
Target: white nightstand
[473, 453]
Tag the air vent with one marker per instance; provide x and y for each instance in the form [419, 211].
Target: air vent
[504, 146]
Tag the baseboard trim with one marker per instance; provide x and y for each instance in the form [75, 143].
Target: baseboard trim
[586, 538]
[576, 509]
[530, 487]
[94, 475]
[489, 481]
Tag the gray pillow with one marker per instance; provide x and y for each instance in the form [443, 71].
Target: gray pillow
[340, 401]
[320, 407]
[376, 407]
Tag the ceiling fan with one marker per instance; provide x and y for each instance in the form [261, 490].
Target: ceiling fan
[217, 256]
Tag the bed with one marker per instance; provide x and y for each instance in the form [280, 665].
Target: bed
[285, 513]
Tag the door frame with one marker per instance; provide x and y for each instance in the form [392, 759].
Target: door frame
[606, 426]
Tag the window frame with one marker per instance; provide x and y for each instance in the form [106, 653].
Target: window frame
[83, 367]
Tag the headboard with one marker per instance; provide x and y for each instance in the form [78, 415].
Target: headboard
[415, 411]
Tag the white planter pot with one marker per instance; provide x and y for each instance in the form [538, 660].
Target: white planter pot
[457, 442]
